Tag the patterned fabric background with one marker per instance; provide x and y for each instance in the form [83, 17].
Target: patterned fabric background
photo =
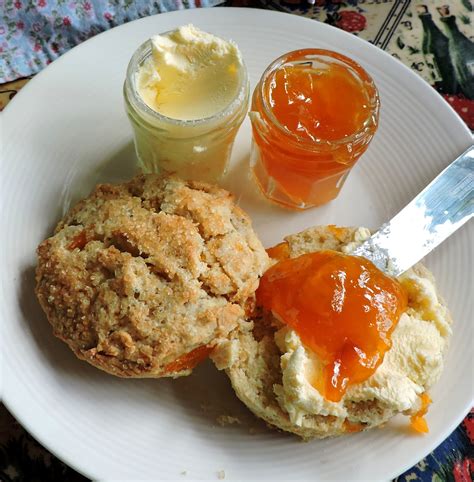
[23, 459]
[35, 32]
[433, 37]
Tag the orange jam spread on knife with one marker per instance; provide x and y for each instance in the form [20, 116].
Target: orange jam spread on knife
[343, 308]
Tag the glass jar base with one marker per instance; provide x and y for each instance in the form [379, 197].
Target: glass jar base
[208, 164]
[321, 191]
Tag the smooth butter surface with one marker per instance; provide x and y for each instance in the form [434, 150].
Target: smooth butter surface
[190, 75]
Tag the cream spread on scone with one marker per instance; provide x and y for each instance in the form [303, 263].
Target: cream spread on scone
[414, 361]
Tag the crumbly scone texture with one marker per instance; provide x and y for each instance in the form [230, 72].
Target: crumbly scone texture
[141, 276]
[254, 362]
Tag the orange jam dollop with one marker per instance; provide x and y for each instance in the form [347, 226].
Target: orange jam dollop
[343, 308]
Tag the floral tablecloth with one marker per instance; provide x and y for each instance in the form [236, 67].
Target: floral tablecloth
[432, 37]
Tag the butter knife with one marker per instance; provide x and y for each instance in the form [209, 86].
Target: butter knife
[439, 210]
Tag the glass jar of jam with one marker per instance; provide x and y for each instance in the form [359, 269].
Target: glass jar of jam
[314, 113]
[197, 144]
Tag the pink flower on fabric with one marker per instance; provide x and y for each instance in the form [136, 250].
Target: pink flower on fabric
[37, 47]
[66, 21]
[55, 47]
[20, 25]
[41, 3]
[87, 6]
[108, 16]
[351, 21]
[17, 4]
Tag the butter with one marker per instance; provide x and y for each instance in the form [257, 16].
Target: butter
[190, 75]
[186, 94]
[414, 361]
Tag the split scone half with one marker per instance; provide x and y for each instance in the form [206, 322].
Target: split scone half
[143, 278]
[270, 368]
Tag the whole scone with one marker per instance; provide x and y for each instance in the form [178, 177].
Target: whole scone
[270, 368]
[142, 279]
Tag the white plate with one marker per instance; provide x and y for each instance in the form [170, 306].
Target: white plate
[67, 129]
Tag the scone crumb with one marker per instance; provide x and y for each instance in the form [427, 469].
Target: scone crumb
[206, 407]
[225, 354]
[184, 472]
[221, 475]
[224, 420]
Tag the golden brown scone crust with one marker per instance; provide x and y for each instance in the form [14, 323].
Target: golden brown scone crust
[142, 273]
[252, 358]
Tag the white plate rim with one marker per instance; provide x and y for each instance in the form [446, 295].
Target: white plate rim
[448, 110]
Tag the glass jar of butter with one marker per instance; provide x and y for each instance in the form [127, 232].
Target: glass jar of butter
[196, 149]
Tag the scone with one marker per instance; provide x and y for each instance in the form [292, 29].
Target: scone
[142, 279]
[270, 368]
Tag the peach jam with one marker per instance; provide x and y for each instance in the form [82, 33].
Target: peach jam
[343, 308]
[314, 113]
[417, 421]
[189, 360]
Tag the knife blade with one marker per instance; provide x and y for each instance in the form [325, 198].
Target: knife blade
[433, 215]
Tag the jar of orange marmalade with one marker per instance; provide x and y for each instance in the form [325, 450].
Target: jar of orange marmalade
[314, 113]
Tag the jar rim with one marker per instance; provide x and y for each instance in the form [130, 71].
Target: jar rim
[140, 55]
[301, 54]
